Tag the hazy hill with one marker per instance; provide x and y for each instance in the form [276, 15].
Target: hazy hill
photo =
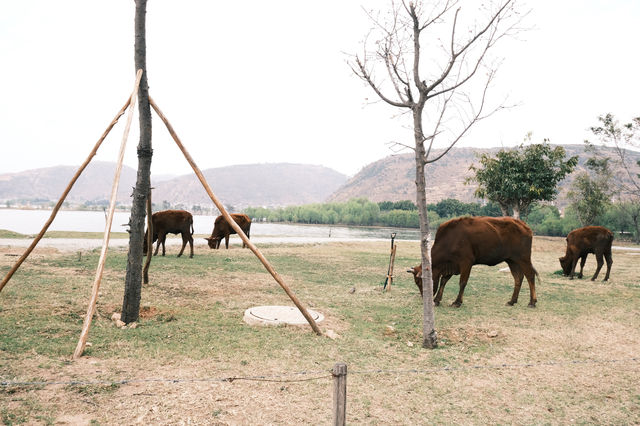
[94, 184]
[238, 186]
[393, 178]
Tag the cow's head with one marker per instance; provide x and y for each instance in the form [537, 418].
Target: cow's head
[417, 276]
[144, 242]
[214, 242]
[565, 263]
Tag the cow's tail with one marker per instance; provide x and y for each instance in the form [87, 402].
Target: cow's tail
[537, 275]
[192, 227]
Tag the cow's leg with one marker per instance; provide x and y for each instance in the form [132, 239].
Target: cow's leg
[527, 270]
[518, 275]
[574, 262]
[530, 273]
[465, 271]
[164, 239]
[184, 243]
[583, 260]
[226, 242]
[157, 245]
[600, 263]
[440, 288]
[607, 256]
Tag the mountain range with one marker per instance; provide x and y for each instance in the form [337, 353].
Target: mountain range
[393, 178]
[389, 179]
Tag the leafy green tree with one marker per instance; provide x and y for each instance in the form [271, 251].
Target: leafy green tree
[515, 178]
[590, 195]
[450, 207]
[385, 205]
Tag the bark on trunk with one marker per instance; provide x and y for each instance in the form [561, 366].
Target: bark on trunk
[516, 212]
[133, 282]
[429, 335]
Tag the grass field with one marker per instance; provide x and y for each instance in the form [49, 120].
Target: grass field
[573, 359]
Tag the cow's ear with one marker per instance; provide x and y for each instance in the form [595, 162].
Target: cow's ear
[208, 238]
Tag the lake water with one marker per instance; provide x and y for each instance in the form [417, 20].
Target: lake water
[31, 221]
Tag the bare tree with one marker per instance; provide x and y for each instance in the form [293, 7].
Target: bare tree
[133, 281]
[622, 139]
[437, 91]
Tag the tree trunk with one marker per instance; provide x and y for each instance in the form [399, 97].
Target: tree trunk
[133, 282]
[430, 337]
[516, 211]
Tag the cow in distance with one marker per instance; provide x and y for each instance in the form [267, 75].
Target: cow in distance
[463, 242]
[581, 242]
[222, 229]
[170, 222]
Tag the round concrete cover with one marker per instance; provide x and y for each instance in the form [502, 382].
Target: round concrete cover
[277, 315]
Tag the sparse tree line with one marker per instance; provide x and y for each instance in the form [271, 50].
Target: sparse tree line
[544, 219]
[521, 182]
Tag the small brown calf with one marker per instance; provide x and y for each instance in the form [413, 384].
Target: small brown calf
[171, 222]
[581, 242]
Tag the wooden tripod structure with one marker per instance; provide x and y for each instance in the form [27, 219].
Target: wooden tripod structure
[96, 284]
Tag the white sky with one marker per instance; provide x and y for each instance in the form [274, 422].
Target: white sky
[259, 81]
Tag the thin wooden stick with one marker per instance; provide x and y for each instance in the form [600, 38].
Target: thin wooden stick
[107, 229]
[393, 258]
[64, 196]
[233, 223]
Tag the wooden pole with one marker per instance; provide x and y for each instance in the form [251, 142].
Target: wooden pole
[339, 373]
[145, 271]
[390, 275]
[107, 229]
[64, 196]
[233, 223]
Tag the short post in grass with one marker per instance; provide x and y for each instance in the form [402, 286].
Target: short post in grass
[392, 257]
[339, 373]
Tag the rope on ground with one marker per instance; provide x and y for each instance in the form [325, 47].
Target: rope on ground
[498, 366]
[317, 375]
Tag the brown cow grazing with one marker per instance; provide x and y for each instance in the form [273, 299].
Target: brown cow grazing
[581, 242]
[222, 229]
[467, 241]
[170, 222]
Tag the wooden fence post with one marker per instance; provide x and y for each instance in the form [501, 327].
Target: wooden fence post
[339, 394]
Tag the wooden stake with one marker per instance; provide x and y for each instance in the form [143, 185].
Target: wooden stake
[233, 223]
[107, 230]
[64, 196]
[390, 276]
[339, 373]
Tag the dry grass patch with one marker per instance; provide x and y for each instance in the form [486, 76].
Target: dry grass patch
[571, 359]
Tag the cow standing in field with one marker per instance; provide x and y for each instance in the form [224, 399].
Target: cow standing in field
[170, 222]
[467, 241]
[581, 242]
[222, 229]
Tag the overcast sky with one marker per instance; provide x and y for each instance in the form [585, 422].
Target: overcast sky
[267, 81]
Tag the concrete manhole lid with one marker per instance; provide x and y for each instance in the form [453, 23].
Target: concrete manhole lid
[277, 315]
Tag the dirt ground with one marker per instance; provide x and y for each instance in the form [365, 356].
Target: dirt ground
[520, 367]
